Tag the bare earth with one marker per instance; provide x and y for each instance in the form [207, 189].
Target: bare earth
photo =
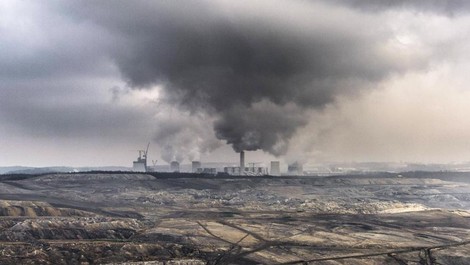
[104, 218]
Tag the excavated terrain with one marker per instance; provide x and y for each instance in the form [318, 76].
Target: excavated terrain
[128, 218]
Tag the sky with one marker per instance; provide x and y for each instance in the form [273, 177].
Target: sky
[88, 83]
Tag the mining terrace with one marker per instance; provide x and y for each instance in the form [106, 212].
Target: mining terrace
[132, 218]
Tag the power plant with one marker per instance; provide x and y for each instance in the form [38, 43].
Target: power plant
[140, 165]
[253, 169]
[243, 170]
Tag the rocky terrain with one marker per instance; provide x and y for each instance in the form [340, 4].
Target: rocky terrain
[124, 218]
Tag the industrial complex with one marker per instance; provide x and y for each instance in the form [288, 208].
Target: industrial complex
[243, 169]
[140, 165]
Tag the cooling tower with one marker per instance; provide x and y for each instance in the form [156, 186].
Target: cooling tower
[275, 168]
[195, 166]
[174, 166]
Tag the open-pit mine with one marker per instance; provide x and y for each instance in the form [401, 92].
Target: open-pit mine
[157, 218]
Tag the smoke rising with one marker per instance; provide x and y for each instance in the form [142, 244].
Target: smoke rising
[266, 128]
[256, 68]
[182, 136]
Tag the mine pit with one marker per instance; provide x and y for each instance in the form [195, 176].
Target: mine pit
[143, 219]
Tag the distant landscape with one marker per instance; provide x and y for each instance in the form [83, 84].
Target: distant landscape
[235, 132]
[310, 169]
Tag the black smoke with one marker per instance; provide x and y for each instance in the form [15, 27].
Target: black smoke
[256, 68]
[264, 126]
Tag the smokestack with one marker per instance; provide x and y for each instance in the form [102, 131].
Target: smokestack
[242, 162]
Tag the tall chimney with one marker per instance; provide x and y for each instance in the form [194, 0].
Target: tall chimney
[242, 162]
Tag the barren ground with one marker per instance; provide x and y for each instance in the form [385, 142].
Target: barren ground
[116, 218]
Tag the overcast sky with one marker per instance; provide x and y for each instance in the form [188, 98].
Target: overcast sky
[88, 83]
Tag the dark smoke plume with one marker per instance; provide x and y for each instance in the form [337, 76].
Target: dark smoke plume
[257, 68]
[264, 125]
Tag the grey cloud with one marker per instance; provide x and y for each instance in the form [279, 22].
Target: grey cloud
[448, 7]
[38, 41]
[225, 65]
[251, 73]
[52, 69]
[38, 112]
[256, 69]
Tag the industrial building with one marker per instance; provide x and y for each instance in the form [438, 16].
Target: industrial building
[242, 170]
[140, 165]
[275, 168]
[256, 171]
[248, 171]
[232, 170]
[174, 166]
[207, 170]
[251, 169]
[195, 166]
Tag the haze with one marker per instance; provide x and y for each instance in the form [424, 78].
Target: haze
[88, 83]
